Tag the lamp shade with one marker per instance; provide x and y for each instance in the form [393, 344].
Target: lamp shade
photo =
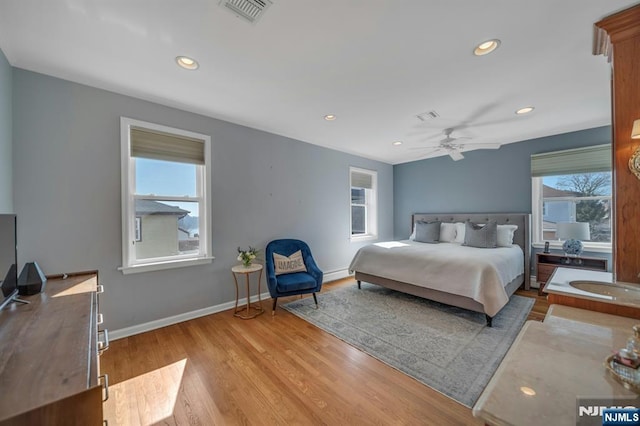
[573, 230]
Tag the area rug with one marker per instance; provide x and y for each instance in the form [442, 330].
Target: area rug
[448, 349]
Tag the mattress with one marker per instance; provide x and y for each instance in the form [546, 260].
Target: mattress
[477, 273]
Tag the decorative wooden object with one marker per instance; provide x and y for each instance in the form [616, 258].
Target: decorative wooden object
[49, 356]
[618, 37]
[546, 264]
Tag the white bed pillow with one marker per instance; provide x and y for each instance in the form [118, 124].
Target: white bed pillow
[412, 237]
[447, 232]
[460, 227]
[505, 235]
[454, 233]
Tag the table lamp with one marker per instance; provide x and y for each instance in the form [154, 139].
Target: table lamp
[573, 233]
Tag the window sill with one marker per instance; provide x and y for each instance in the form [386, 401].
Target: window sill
[170, 264]
[364, 237]
[591, 248]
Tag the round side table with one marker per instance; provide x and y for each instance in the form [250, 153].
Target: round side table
[250, 310]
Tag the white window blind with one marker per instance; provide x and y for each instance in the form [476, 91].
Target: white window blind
[146, 143]
[361, 180]
[572, 161]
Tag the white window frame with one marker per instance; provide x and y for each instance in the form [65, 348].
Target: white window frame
[371, 206]
[537, 220]
[203, 197]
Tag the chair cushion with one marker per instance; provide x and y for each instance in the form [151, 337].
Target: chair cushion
[295, 282]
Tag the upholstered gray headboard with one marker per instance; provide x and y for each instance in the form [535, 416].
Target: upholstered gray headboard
[521, 237]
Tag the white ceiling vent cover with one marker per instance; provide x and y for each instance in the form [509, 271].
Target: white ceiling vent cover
[249, 10]
[426, 116]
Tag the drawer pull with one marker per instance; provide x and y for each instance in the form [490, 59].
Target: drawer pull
[105, 386]
[100, 319]
[100, 289]
[103, 345]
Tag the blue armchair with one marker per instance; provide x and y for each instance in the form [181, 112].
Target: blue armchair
[293, 283]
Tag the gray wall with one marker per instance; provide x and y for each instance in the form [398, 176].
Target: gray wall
[67, 196]
[485, 181]
[6, 152]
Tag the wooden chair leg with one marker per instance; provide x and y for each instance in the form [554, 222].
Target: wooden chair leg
[273, 309]
[315, 299]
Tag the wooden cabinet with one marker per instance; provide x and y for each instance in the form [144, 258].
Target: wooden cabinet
[49, 360]
[546, 264]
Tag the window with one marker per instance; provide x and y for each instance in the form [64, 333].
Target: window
[165, 201]
[572, 186]
[363, 187]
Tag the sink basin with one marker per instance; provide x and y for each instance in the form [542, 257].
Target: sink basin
[616, 291]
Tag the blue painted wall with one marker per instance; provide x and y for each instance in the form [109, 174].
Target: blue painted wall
[264, 186]
[485, 181]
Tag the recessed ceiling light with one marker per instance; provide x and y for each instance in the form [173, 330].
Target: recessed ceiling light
[329, 117]
[396, 143]
[527, 391]
[525, 110]
[486, 47]
[187, 62]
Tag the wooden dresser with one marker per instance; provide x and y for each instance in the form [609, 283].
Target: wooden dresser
[49, 356]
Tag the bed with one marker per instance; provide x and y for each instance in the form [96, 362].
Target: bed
[404, 265]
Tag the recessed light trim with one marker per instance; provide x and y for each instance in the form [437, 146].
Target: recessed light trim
[187, 63]
[525, 110]
[396, 143]
[527, 391]
[330, 117]
[486, 47]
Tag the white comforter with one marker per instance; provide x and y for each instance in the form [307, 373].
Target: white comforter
[480, 274]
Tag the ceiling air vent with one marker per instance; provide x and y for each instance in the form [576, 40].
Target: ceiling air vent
[426, 116]
[249, 10]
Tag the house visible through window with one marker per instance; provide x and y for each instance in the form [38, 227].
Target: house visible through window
[572, 186]
[165, 197]
[363, 187]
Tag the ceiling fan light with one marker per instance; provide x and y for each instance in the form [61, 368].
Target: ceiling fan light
[486, 47]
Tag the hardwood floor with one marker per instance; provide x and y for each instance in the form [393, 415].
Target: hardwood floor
[269, 370]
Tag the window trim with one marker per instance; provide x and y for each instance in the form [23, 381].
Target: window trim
[127, 168]
[371, 207]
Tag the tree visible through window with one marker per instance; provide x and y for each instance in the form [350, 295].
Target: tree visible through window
[583, 197]
[572, 185]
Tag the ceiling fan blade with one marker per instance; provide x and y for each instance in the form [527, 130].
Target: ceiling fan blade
[472, 146]
[456, 155]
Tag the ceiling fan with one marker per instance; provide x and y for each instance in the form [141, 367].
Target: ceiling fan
[450, 146]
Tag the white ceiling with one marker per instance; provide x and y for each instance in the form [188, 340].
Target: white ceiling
[375, 64]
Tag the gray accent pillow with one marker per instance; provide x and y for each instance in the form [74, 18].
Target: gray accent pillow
[428, 232]
[481, 236]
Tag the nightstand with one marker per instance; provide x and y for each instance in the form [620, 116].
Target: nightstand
[546, 264]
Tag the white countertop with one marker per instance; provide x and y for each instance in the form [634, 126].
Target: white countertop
[559, 282]
[553, 363]
[624, 294]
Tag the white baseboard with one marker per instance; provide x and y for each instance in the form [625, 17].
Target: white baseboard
[335, 275]
[164, 322]
[533, 282]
